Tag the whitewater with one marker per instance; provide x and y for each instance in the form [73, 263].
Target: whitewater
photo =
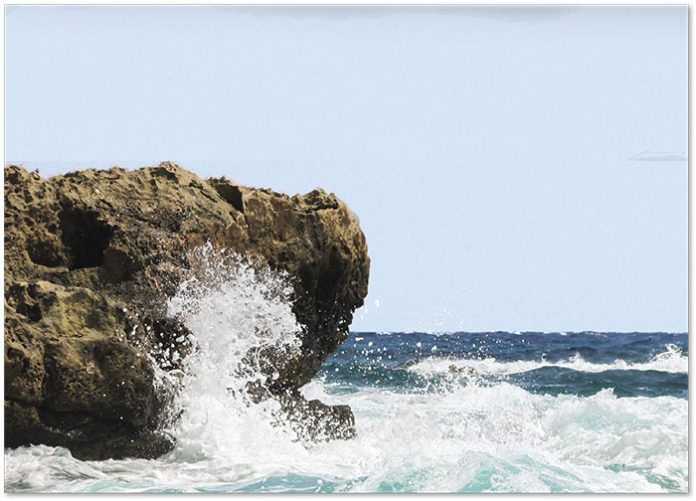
[449, 412]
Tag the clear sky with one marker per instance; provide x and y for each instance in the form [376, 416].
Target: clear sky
[517, 168]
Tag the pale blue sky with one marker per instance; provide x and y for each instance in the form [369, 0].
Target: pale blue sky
[495, 156]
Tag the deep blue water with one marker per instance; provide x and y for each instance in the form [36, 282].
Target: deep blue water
[579, 363]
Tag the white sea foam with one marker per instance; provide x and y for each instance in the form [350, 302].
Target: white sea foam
[671, 360]
[494, 438]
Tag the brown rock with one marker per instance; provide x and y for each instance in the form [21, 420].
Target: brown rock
[90, 258]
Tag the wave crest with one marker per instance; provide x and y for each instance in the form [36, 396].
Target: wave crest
[671, 360]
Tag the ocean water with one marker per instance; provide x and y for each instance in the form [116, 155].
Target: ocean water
[460, 412]
[448, 412]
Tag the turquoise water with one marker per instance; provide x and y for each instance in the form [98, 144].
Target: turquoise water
[460, 412]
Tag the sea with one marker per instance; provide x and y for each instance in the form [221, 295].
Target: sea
[451, 412]
[434, 412]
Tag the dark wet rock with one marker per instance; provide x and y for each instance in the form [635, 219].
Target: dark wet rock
[314, 420]
[90, 258]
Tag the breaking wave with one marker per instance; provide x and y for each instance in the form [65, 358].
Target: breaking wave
[671, 360]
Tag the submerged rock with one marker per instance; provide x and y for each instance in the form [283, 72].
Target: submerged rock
[90, 260]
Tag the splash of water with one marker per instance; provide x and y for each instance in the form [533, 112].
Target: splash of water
[233, 310]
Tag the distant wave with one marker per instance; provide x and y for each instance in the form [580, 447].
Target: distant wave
[671, 360]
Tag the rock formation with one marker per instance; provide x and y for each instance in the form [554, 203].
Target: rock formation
[90, 259]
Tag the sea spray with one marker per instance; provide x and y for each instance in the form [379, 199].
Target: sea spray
[234, 310]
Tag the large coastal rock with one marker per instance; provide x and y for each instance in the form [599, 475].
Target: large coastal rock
[90, 260]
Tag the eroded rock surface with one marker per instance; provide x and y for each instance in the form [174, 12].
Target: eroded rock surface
[92, 256]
